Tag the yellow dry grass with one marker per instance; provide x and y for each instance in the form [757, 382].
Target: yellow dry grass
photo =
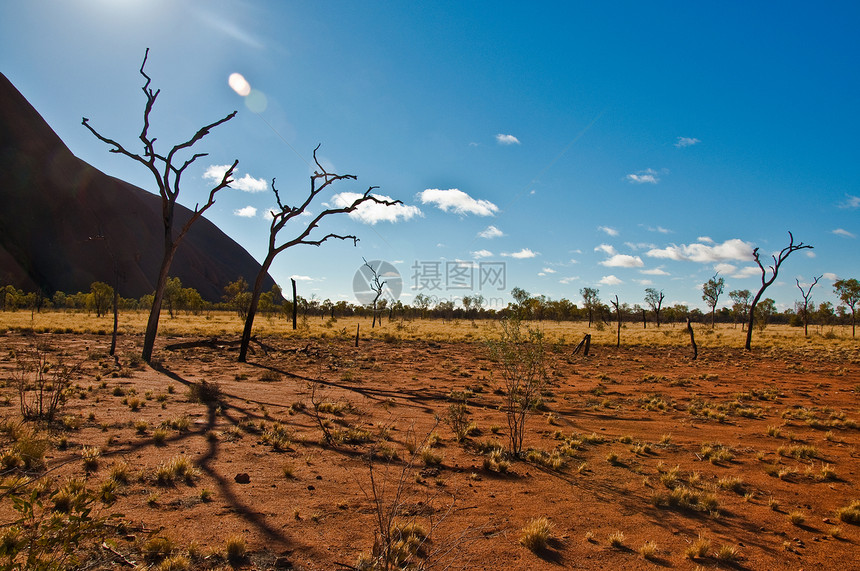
[228, 324]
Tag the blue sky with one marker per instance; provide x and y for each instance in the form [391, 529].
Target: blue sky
[614, 145]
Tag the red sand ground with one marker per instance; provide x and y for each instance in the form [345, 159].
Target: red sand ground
[323, 515]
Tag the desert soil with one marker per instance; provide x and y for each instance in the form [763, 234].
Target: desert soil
[779, 415]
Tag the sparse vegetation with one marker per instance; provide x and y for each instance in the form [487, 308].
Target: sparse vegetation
[850, 513]
[536, 534]
[148, 457]
[520, 355]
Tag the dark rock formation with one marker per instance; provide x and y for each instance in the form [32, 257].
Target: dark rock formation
[51, 203]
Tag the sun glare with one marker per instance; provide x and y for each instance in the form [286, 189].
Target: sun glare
[239, 84]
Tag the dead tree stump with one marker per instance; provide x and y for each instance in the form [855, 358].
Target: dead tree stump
[585, 345]
[692, 339]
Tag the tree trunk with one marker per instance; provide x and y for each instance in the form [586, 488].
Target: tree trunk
[692, 339]
[115, 318]
[295, 305]
[644, 320]
[252, 309]
[155, 311]
[748, 344]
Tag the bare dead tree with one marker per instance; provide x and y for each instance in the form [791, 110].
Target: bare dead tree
[288, 213]
[617, 307]
[765, 282]
[692, 339]
[167, 177]
[377, 285]
[806, 295]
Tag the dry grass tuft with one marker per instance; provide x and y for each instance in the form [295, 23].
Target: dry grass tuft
[536, 534]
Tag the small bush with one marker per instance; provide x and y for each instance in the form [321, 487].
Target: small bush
[536, 534]
[236, 548]
[271, 376]
[648, 550]
[616, 539]
[728, 554]
[850, 513]
[90, 456]
[205, 392]
[178, 467]
[429, 457]
[42, 382]
[159, 436]
[158, 548]
[699, 549]
[119, 472]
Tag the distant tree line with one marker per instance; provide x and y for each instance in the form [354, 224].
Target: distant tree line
[525, 306]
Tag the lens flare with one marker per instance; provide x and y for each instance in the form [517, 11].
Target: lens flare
[239, 84]
[256, 101]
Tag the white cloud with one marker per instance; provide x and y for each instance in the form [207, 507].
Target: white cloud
[606, 249]
[623, 261]
[215, 173]
[522, 254]
[639, 245]
[725, 268]
[655, 272]
[810, 254]
[249, 184]
[851, 201]
[830, 276]
[734, 249]
[647, 176]
[549, 270]
[247, 212]
[610, 280]
[608, 230]
[228, 28]
[705, 239]
[507, 139]
[372, 212]
[686, 142]
[662, 230]
[568, 280]
[490, 232]
[482, 254]
[644, 282]
[747, 272]
[299, 278]
[844, 233]
[457, 201]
